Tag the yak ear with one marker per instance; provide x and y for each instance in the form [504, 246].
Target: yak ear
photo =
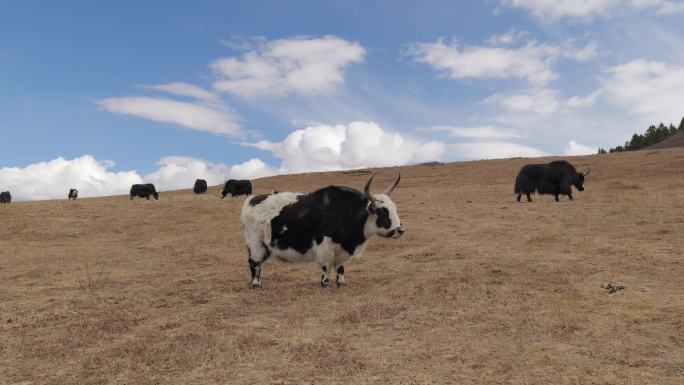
[372, 208]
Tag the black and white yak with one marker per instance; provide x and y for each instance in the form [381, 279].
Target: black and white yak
[328, 226]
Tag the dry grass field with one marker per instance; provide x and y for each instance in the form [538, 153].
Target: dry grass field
[480, 290]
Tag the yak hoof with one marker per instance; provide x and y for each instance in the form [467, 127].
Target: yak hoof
[340, 284]
[325, 284]
[256, 286]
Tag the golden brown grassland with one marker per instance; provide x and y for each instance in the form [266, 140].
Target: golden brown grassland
[480, 290]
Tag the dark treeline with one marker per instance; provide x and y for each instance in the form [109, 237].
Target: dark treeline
[654, 134]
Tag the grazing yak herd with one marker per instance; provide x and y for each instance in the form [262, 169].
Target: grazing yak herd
[334, 224]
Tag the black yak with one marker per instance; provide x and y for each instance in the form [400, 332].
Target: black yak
[5, 197]
[144, 191]
[236, 187]
[555, 178]
[200, 186]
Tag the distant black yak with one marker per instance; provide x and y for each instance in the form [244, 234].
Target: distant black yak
[555, 178]
[144, 191]
[236, 187]
[73, 194]
[5, 197]
[200, 186]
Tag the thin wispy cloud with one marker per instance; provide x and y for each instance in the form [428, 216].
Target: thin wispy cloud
[211, 118]
[478, 132]
[184, 89]
[538, 101]
[587, 10]
[495, 150]
[532, 61]
[662, 7]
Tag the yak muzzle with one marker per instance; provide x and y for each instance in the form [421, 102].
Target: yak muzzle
[396, 233]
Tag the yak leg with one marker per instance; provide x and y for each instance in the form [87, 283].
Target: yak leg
[529, 198]
[339, 280]
[556, 195]
[325, 276]
[566, 189]
[518, 198]
[325, 257]
[340, 259]
[257, 255]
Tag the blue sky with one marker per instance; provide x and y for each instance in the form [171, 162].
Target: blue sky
[99, 95]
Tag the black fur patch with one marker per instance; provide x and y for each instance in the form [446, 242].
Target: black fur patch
[383, 221]
[336, 212]
[258, 199]
[340, 270]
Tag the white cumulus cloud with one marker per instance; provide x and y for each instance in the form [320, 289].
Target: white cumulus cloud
[574, 148]
[301, 65]
[208, 117]
[251, 169]
[176, 172]
[54, 178]
[359, 144]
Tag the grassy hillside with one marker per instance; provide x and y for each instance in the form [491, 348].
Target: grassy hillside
[674, 141]
[481, 289]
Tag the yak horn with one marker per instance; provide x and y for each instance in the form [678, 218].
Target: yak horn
[392, 186]
[366, 189]
[588, 171]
